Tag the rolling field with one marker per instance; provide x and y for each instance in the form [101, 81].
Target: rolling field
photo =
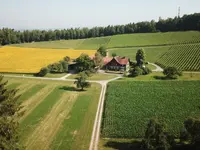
[183, 57]
[54, 114]
[121, 41]
[152, 53]
[93, 43]
[61, 44]
[31, 60]
[153, 39]
[128, 110]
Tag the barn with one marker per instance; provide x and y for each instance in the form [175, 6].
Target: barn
[116, 63]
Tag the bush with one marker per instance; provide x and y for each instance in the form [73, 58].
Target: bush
[56, 68]
[136, 72]
[102, 51]
[43, 72]
[66, 58]
[192, 127]
[114, 54]
[64, 66]
[146, 71]
[172, 72]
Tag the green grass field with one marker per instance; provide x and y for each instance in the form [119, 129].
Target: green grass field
[159, 75]
[94, 43]
[152, 53]
[61, 44]
[122, 41]
[97, 76]
[54, 114]
[149, 39]
[128, 109]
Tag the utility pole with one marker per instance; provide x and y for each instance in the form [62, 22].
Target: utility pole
[179, 11]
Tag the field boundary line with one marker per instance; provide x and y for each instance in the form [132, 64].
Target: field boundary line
[97, 124]
[34, 101]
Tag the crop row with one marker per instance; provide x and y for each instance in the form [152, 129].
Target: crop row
[130, 105]
[183, 57]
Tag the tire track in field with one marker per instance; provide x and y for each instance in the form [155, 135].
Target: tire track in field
[24, 87]
[29, 105]
[43, 135]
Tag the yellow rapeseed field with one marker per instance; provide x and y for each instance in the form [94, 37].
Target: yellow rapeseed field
[31, 60]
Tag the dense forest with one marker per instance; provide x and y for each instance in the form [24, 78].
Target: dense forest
[187, 22]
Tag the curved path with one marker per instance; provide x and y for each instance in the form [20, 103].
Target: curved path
[158, 68]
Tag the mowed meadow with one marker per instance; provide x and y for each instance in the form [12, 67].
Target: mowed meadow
[31, 60]
[54, 114]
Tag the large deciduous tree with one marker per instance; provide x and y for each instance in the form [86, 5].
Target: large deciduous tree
[84, 63]
[81, 81]
[156, 137]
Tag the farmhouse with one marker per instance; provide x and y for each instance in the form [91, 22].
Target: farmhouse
[116, 63]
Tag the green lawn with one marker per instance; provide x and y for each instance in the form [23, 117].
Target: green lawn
[60, 44]
[129, 105]
[97, 76]
[157, 75]
[94, 43]
[152, 53]
[149, 39]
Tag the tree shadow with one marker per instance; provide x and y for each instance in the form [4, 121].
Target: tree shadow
[160, 77]
[163, 78]
[136, 145]
[68, 88]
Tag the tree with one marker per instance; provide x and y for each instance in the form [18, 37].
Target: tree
[8, 123]
[84, 62]
[67, 58]
[64, 65]
[102, 51]
[81, 81]
[56, 67]
[43, 72]
[172, 73]
[156, 137]
[192, 131]
[98, 60]
[140, 57]
[114, 54]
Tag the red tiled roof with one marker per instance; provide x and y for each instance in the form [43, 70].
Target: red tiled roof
[107, 60]
[121, 60]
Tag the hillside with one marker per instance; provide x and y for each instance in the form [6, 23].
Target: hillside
[120, 41]
[179, 49]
